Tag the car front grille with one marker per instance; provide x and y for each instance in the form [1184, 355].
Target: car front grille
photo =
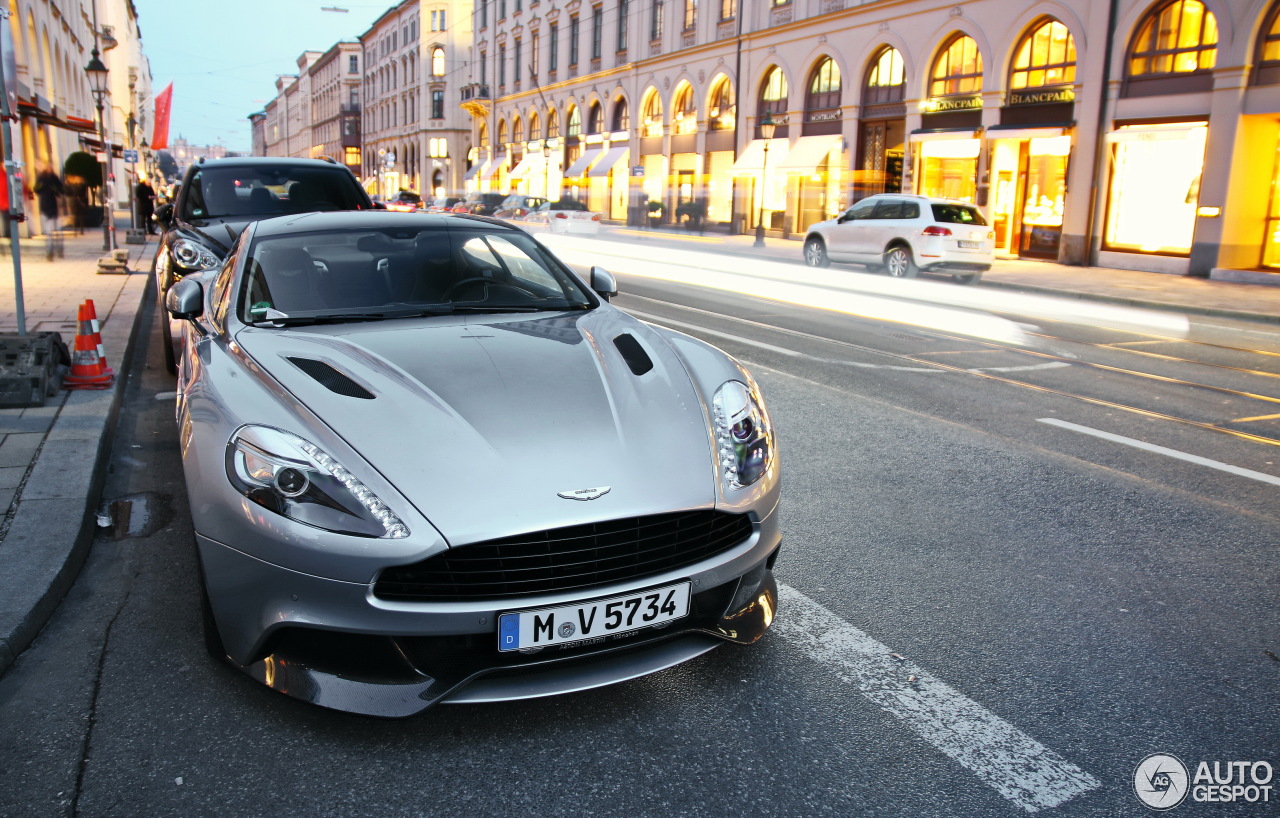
[566, 559]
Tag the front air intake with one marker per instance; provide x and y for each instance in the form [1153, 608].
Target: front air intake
[332, 379]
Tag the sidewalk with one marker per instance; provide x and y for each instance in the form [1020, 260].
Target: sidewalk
[1195, 296]
[53, 458]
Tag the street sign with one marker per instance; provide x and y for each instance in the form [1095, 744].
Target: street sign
[130, 157]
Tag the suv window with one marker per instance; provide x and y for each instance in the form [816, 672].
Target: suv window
[896, 209]
[957, 214]
[232, 192]
[862, 210]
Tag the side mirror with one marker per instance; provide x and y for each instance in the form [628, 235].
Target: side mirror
[164, 214]
[603, 282]
[185, 299]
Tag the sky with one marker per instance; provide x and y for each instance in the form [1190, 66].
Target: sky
[223, 58]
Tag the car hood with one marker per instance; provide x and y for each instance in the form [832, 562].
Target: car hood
[216, 229]
[483, 422]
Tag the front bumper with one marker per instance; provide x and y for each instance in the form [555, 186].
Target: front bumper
[334, 644]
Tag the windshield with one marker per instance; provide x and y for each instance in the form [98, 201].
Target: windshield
[365, 274]
[239, 192]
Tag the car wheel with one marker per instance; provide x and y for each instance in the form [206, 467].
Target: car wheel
[966, 278]
[815, 253]
[899, 264]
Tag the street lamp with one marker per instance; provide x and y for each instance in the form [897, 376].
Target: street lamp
[98, 85]
[767, 127]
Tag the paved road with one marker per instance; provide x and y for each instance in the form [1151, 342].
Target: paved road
[1067, 604]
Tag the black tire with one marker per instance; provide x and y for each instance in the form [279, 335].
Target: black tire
[898, 262]
[966, 278]
[815, 252]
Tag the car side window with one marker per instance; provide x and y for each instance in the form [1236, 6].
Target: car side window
[910, 210]
[889, 209]
[862, 210]
[220, 295]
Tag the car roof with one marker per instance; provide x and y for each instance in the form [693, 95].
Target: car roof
[370, 220]
[261, 161]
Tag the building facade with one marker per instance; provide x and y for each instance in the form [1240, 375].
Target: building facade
[335, 104]
[1132, 134]
[51, 43]
[415, 58]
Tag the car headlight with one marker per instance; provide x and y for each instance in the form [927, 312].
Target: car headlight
[192, 255]
[295, 478]
[744, 436]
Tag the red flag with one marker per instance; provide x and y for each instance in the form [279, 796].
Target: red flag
[160, 136]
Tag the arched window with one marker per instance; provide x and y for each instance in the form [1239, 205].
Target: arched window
[721, 114]
[684, 117]
[1267, 58]
[652, 114]
[1176, 38]
[958, 69]
[886, 79]
[773, 94]
[595, 118]
[517, 130]
[621, 116]
[437, 62]
[1046, 56]
[553, 124]
[574, 127]
[484, 136]
[502, 132]
[824, 89]
[535, 128]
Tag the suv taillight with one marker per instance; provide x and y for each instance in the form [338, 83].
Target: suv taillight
[562, 215]
[935, 230]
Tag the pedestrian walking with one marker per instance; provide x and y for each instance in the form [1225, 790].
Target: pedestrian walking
[49, 189]
[146, 197]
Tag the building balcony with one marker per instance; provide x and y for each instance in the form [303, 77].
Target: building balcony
[476, 98]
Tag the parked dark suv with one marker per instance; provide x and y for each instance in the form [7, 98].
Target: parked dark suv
[479, 204]
[218, 198]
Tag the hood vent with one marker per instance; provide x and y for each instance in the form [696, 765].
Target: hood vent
[633, 354]
[332, 379]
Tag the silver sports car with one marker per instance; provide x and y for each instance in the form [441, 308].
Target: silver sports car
[428, 463]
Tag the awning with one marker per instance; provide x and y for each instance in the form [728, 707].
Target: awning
[532, 162]
[1023, 133]
[50, 117]
[809, 152]
[474, 171]
[616, 154]
[752, 159]
[491, 169]
[580, 165]
[1155, 133]
[934, 136]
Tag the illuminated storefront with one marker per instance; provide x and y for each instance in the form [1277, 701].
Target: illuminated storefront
[949, 143]
[1155, 187]
[949, 164]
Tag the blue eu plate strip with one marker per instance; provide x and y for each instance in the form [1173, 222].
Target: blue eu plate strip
[509, 632]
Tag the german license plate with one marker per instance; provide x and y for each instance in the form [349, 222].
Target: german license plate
[566, 624]
[970, 245]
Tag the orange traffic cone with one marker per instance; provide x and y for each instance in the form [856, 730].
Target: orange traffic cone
[88, 370]
[97, 334]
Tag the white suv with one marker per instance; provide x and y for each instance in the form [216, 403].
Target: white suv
[906, 234]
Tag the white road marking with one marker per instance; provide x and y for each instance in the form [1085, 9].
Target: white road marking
[658, 319]
[1174, 453]
[1015, 765]
[166, 395]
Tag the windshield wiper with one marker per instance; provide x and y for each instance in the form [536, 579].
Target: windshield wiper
[280, 319]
